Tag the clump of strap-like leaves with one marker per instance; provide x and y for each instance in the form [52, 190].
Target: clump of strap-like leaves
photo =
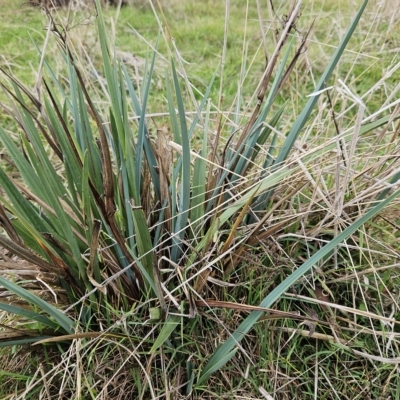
[122, 214]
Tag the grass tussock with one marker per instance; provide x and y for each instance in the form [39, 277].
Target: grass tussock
[177, 228]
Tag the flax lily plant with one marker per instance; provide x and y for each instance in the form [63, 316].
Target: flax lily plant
[119, 211]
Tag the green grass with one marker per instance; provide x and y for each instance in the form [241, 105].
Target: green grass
[20, 25]
[198, 30]
[275, 355]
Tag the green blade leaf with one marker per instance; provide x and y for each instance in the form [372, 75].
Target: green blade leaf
[181, 220]
[213, 367]
[65, 322]
[249, 322]
[169, 326]
[150, 156]
[20, 342]
[142, 126]
[23, 312]
[199, 179]
[255, 131]
[144, 243]
[302, 119]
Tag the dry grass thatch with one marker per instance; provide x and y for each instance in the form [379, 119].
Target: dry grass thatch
[73, 3]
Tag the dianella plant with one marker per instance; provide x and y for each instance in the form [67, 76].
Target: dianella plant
[119, 209]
